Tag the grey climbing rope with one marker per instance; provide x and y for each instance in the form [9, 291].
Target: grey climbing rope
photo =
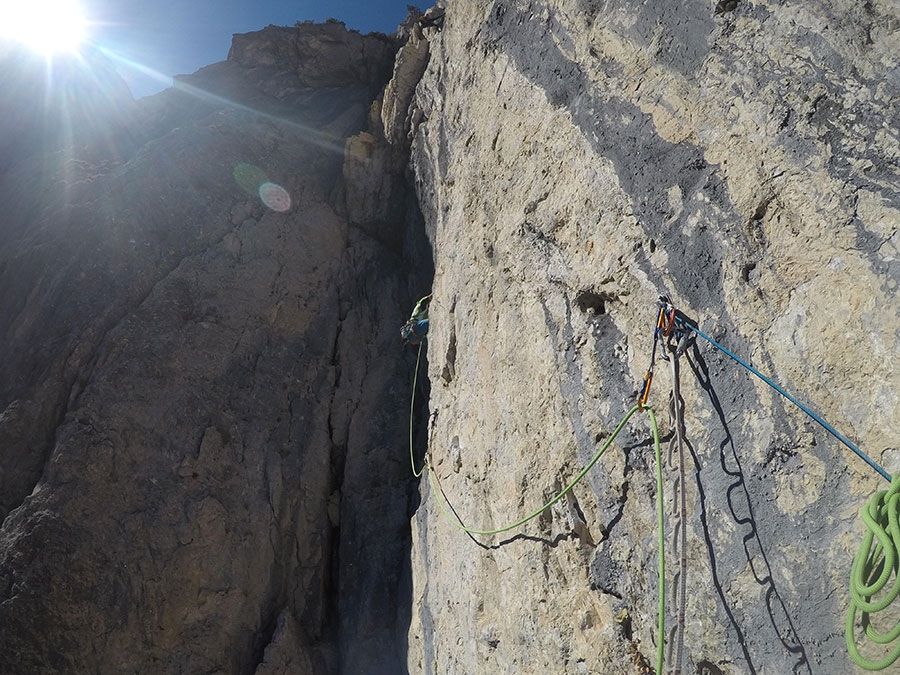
[677, 641]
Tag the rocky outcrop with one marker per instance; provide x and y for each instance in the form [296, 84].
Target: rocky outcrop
[315, 55]
[200, 380]
[576, 160]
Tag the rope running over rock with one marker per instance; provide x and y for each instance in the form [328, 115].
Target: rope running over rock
[676, 641]
[872, 567]
[412, 402]
[445, 511]
[830, 429]
[874, 562]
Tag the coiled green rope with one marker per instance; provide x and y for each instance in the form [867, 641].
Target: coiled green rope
[873, 566]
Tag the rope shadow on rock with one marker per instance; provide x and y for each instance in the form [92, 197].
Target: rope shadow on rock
[552, 543]
[742, 514]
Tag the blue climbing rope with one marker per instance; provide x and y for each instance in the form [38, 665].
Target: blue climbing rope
[825, 425]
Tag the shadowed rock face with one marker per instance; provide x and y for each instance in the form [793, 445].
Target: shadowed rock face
[201, 378]
[79, 103]
[576, 160]
[318, 55]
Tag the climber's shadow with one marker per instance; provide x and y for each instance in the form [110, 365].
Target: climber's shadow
[741, 509]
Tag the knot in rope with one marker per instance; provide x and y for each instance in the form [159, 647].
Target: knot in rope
[875, 563]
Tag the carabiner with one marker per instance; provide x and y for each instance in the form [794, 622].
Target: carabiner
[665, 317]
[645, 390]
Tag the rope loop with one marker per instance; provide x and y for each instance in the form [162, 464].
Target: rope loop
[412, 404]
[875, 563]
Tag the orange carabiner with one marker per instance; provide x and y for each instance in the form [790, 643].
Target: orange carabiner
[670, 324]
[661, 318]
[665, 319]
[645, 390]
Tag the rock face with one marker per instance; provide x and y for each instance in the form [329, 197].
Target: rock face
[201, 377]
[204, 407]
[83, 105]
[576, 161]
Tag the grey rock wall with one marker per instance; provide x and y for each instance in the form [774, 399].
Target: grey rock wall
[204, 407]
[575, 161]
[201, 375]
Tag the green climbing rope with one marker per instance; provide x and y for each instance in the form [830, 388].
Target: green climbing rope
[436, 489]
[872, 569]
[457, 524]
[412, 403]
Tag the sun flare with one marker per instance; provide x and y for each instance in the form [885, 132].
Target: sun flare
[45, 26]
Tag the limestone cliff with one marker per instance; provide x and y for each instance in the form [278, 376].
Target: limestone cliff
[576, 160]
[201, 374]
[204, 405]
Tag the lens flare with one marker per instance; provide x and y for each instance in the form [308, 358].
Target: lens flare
[275, 197]
[249, 177]
[254, 181]
[45, 26]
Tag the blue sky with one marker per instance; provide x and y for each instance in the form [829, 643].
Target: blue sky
[175, 37]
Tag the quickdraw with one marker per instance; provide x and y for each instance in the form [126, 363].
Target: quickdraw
[667, 326]
[875, 565]
[645, 389]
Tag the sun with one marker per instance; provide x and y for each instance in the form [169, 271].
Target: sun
[45, 26]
